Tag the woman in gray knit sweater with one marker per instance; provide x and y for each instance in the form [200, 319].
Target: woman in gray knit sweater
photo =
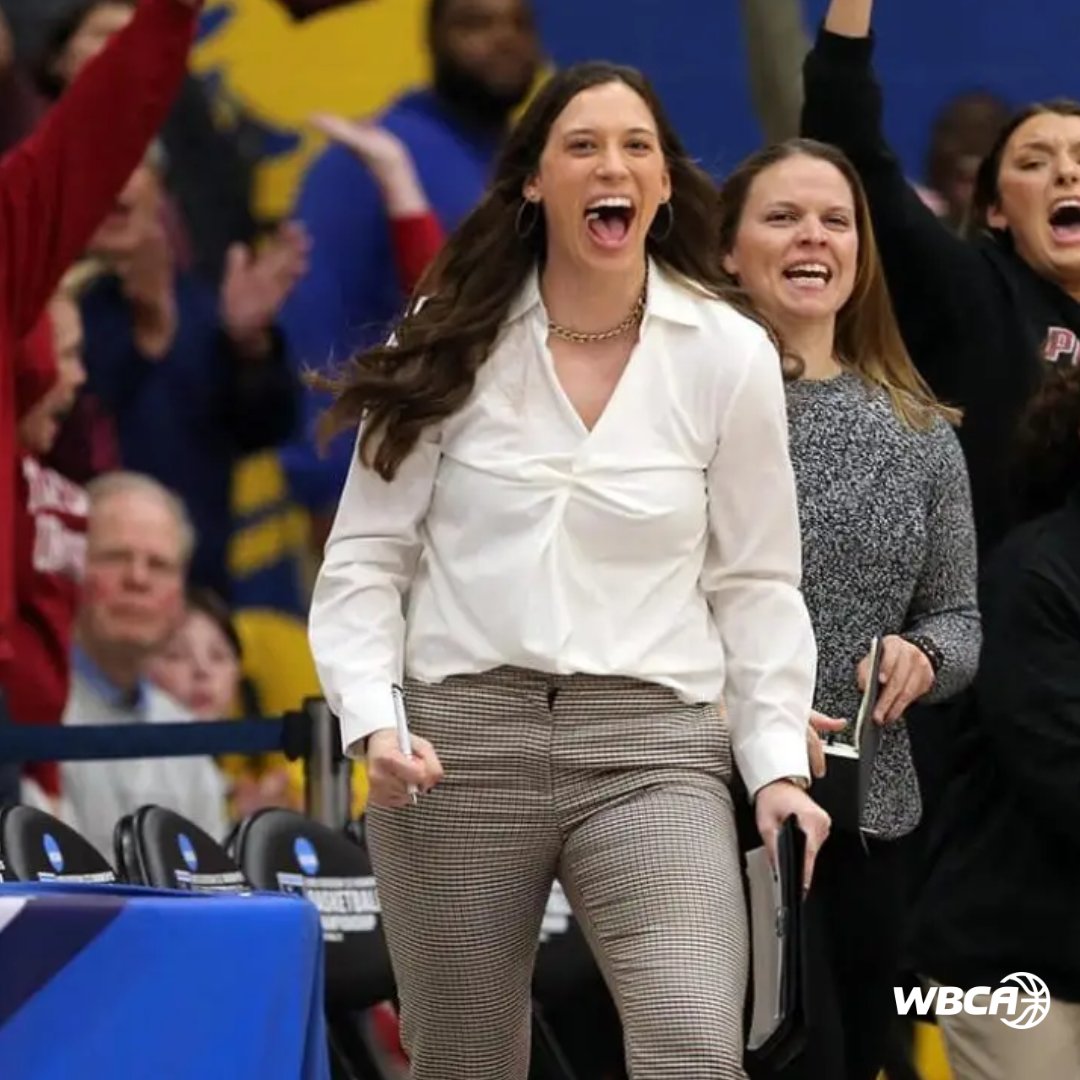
[888, 551]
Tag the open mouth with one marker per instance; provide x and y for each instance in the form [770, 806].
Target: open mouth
[1065, 220]
[199, 702]
[608, 220]
[812, 276]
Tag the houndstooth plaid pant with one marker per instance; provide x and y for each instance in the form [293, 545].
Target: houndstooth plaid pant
[620, 790]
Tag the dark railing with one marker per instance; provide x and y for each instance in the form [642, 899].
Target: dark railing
[311, 735]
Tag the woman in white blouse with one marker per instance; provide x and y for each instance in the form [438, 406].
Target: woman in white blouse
[570, 525]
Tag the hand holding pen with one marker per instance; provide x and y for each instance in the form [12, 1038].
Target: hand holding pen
[404, 738]
[400, 765]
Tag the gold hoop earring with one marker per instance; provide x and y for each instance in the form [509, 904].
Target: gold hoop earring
[659, 237]
[525, 223]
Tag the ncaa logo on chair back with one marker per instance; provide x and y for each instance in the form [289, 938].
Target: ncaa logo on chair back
[1021, 1001]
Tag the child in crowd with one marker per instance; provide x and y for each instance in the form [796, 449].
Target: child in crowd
[201, 667]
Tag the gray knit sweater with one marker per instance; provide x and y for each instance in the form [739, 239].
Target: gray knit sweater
[888, 538]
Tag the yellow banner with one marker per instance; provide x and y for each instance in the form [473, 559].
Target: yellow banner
[351, 60]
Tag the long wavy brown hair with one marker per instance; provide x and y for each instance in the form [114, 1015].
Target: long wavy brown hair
[428, 369]
[868, 340]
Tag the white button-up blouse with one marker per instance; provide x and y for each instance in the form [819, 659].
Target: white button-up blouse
[663, 544]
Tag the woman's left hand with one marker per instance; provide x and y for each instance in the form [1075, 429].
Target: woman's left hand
[774, 804]
[906, 675]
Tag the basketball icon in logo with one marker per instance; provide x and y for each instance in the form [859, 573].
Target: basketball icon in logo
[187, 851]
[53, 852]
[306, 856]
[1034, 1001]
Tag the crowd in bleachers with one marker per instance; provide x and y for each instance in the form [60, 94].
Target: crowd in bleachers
[166, 490]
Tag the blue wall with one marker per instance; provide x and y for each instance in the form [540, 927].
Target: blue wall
[928, 50]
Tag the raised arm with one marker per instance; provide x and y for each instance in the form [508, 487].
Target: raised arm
[415, 233]
[776, 45]
[922, 257]
[263, 390]
[850, 18]
[944, 609]
[362, 203]
[843, 106]
[330, 312]
[357, 621]
[57, 185]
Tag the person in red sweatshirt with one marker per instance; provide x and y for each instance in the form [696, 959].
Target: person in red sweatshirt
[50, 516]
[55, 188]
[416, 234]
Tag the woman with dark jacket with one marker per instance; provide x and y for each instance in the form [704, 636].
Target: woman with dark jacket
[981, 316]
[1002, 892]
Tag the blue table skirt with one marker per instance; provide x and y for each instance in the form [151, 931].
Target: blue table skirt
[102, 982]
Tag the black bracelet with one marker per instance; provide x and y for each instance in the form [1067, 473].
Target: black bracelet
[928, 648]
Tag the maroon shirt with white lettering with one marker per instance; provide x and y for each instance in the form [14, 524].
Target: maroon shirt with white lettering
[57, 185]
[50, 551]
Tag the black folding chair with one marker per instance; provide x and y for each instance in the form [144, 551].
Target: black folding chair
[284, 851]
[159, 847]
[35, 846]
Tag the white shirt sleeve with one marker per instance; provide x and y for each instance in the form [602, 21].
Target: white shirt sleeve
[357, 622]
[752, 574]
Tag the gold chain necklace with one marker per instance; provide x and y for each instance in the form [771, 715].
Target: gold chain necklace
[579, 337]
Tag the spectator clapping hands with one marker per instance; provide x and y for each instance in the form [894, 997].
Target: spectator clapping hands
[257, 284]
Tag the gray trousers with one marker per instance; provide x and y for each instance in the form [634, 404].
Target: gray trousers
[618, 789]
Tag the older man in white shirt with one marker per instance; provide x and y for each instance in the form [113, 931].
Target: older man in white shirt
[139, 543]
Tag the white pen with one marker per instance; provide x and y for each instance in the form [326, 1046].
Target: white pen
[404, 741]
